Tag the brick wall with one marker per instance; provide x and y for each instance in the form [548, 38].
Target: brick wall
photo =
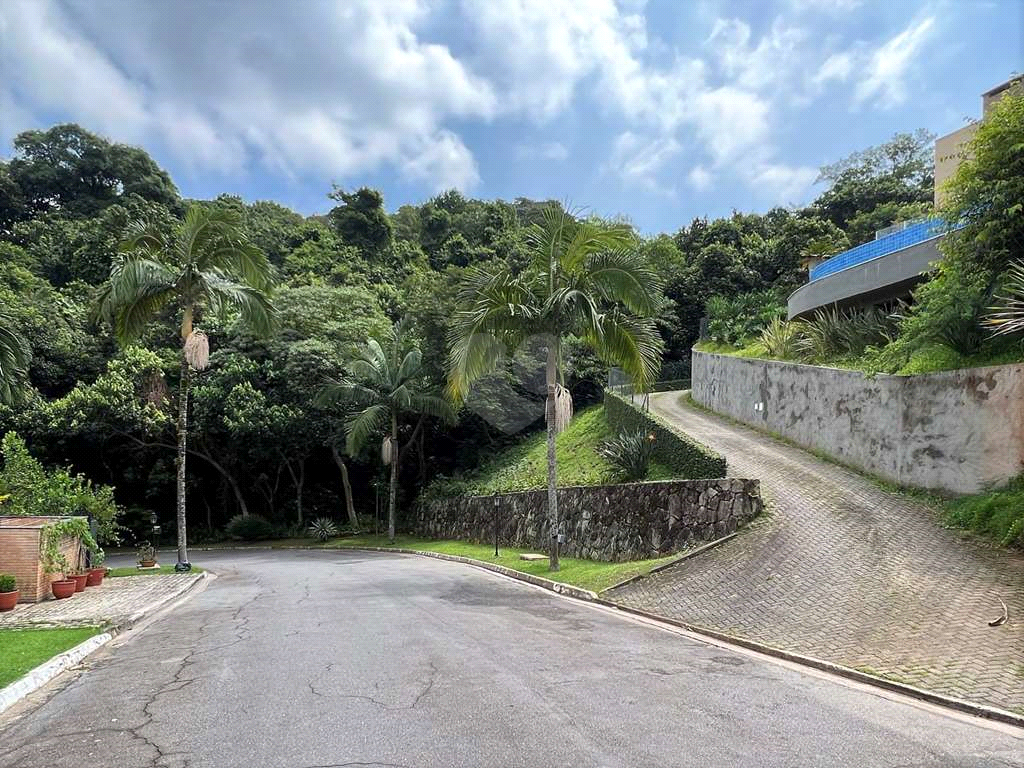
[19, 556]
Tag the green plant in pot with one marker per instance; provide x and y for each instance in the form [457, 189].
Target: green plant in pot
[97, 570]
[146, 555]
[8, 592]
[52, 555]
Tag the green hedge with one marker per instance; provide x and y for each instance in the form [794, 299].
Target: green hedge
[690, 459]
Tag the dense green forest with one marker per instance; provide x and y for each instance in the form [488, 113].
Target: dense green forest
[259, 440]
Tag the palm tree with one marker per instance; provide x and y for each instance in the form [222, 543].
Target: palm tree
[583, 279]
[206, 264]
[15, 355]
[386, 384]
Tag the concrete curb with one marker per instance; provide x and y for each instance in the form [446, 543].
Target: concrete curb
[685, 556]
[44, 673]
[959, 705]
[36, 678]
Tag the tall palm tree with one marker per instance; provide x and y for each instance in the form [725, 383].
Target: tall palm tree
[15, 356]
[385, 385]
[583, 279]
[206, 264]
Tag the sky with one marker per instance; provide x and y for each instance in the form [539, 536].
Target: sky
[657, 111]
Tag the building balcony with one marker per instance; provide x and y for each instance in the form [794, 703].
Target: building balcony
[882, 270]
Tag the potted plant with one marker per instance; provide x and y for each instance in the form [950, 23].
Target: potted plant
[98, 570]
[8, 592]
[146, 555]
[53, 559]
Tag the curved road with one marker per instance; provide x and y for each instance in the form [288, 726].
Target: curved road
[304, 659]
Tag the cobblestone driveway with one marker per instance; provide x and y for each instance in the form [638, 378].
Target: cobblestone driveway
[842, 570]
[115, 602]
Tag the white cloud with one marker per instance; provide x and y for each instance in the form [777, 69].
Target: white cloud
[782, 184]
[731, 121]
[839, 66]
[884, 81]
[824, 6]
[769, 63]
[637, 159]
[700, 177]
[342, 89]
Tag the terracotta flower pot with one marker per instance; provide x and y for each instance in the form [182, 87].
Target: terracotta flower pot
[63, 588]
[8, 600]
[95, 577]
[79, 579]
[147, 563]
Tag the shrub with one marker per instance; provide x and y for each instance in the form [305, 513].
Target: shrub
[323, 529]
[784, 340]
[251, 528]
[7, 583]
[735, 319]
[35, 491]
[999, 513]
[836, 333]
[686, 457]
[629, 453]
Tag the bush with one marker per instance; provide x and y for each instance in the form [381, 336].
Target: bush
[32, 490]
[629, 454]
[688, 458]
[7, 583]
[836, 333]
[999, 513]
[251, 528]
[323, 529]
[735, 319]
[784, 340]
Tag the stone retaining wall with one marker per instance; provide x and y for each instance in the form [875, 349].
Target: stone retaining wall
[954, 431]
[630, 521]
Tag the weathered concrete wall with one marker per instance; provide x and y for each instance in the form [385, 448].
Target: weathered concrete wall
[602, 522]
[953, 431]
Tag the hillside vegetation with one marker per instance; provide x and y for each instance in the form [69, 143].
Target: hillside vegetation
[523, 467]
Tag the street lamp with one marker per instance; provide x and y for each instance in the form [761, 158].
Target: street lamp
[497, 503]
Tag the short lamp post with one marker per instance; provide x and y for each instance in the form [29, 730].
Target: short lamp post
[497, 503]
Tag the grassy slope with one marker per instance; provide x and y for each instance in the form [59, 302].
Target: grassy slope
[524, 466]
[588, 574]
[24, 649]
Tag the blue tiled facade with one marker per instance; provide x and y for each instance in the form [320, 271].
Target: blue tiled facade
[912, 235]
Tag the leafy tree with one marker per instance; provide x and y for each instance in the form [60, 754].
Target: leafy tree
[361, 220]
[385, 386]
[584, 279]
[206, 264]
[68, 169]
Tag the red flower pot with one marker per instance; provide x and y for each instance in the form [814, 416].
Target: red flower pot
[79, 579]
[63, 588]
[8, 600]
[95, 577]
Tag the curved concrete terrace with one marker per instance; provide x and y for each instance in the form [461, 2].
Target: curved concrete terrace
[871, 282]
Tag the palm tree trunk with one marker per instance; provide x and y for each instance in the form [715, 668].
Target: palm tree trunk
[182, 453]
[549, 415]
[353, 520]
[392, 492]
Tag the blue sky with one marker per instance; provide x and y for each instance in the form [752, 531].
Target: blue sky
[658, 111]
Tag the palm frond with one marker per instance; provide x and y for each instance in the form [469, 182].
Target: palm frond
[624, 277]
[364, 425]
[252, 304]
[431, 405]
[15, 356]
[1007, 317]
[345, 392]
[410, 365]
[632, 343]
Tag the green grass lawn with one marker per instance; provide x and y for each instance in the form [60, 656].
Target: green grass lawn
[588, 574]
[524, 466]
[131, 570]
[24, 649]
[998, 514]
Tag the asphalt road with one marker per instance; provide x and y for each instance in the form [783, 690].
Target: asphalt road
[304, 659]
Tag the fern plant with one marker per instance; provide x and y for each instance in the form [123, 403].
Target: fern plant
[323, 529]
[629, 453]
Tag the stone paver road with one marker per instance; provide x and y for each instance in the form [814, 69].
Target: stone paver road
[114, 602]
[843, 570]
[321, 659]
